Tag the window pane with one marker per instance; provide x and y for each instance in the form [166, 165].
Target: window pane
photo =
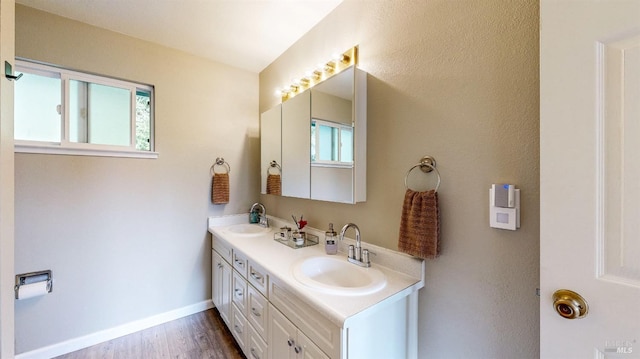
[346, 145]
[328, 146]
[37, 101]
[109, 115]
[143, 120]
[99, 114]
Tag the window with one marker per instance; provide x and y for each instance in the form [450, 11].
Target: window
[331, 144]
[69, 112]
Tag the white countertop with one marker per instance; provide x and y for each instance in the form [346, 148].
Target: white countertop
[404, 274]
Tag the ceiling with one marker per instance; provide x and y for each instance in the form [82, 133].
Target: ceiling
[248, 34]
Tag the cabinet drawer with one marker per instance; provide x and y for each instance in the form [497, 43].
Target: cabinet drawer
[239, 292]
[314, 325]
[240, 263]
[239, 327]
[258, 277]
[256, 347]
[257, 314]
[222, 247]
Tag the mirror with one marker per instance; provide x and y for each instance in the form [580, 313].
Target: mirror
[323, 140]
[296, 174]
[270, 151]
[331, 147]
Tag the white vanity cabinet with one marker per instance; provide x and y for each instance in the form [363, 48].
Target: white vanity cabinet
[221, 284]
[287, 341]
[240, 290]
[273, 316]
[237, 292]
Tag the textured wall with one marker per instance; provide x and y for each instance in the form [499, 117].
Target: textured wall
[457, 80]
[127, 238]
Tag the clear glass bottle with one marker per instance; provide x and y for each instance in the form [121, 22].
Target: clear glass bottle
[330, 244]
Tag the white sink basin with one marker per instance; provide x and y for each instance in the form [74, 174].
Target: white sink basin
[334, 275]
[247, 230]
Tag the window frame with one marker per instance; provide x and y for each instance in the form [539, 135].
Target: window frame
[67, 147]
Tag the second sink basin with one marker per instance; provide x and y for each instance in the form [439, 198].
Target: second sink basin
[334, 275]
[247, 230]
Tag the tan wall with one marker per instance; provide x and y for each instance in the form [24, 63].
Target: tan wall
[127, 238]
[457, 80]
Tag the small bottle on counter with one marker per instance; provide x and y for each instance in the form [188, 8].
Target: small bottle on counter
[330, 245]
[254, 217]
[298, 238]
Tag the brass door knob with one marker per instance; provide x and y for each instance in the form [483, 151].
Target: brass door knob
[570, 304]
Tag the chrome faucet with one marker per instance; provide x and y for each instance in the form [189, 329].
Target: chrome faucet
[262, 214]
[356, 254]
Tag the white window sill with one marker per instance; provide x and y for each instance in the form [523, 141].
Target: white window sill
[79, 151]
[332, 164]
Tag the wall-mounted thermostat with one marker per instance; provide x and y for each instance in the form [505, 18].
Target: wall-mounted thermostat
[504, 206]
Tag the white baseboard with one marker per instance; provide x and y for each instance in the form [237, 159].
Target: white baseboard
[72, 345]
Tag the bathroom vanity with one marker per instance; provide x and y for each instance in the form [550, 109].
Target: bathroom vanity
[281, 302]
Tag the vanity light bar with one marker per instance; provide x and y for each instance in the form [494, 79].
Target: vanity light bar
[324, 71]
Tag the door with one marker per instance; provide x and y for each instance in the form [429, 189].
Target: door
[590, 176]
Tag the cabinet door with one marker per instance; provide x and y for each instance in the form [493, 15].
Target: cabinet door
[270, 142]
[215, 291]
[296, 146]
[307, 350]
[221, 286]
[216, 283]
[282, 336]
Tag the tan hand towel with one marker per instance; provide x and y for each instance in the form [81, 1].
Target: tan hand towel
[419, 224]
[220, 188]
[274, 184]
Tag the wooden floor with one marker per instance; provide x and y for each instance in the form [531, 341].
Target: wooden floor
[198, 336]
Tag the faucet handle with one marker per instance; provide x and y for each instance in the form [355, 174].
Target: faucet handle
[365, 256]
[352, 254]
[264, 221]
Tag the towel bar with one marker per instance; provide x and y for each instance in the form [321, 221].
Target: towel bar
[274, 164]
[427, 164]
[220, 162]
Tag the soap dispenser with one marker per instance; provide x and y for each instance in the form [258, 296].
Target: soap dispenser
[330, 244]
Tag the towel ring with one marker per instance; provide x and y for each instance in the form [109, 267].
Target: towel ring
[274, 164]
[426, 165]
[220, 162]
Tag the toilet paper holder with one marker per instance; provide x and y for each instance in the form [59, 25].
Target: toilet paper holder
[34, 277]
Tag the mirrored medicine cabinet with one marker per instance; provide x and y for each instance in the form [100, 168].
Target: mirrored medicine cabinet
[318, 140]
